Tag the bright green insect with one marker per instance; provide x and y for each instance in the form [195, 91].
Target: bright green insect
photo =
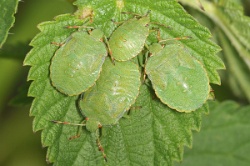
[76, 65]
[113, 94]
[110, 98]
[128, 40]
[179, 80]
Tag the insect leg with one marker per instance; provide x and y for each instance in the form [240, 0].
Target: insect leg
[117, 23]
[98, 142]
[57, 44]
[109, 50]
[133, 108]
[79, 26]
[73, 124]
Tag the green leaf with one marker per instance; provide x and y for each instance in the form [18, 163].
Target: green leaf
[232, 30]
[152, 134]
[224, 138]
[127, 143]
[8, 9]
[169, 13]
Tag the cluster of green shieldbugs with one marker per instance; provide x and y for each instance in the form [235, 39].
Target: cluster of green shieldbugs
[109, 85]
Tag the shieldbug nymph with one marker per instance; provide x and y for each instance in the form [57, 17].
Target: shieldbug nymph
[76, 65]
[128, 39]
[105, 103]
[179, 80]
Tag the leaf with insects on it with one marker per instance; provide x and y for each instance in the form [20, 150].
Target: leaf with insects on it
[49, 104]
[144, 135]
[164, 131]
[160, 140]
[223, 139]
[8, 9]
[168, 13]
[232, 30]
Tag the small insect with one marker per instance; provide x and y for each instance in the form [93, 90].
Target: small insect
[128, 40]
[179, 80]
[77, 64]
[110, 98]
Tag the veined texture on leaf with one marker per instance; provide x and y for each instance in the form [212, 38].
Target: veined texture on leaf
[223, 139]
[153, 133]
[231, 29]
[49, 104]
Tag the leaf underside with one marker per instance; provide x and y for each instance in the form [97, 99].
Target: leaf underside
[153, 134]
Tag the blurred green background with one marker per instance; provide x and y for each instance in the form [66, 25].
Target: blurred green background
[19, 146]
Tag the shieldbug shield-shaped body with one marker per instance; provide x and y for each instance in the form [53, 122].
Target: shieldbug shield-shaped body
[128, 39]
[76, 65]
[179, 80]
[113, 94]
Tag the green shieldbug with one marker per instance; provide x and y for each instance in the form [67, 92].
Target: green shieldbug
[76, 65]
[113, 94]
[108, 100]
[179, 80]
[128, 40]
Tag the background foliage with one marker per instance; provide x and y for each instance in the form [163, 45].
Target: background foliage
[15, 128]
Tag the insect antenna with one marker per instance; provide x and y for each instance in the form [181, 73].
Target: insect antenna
[73, 124]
